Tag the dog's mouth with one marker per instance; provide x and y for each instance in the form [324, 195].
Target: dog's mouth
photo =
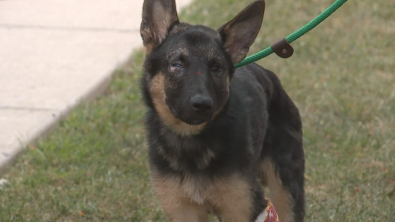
[194, 121]
[191, 120]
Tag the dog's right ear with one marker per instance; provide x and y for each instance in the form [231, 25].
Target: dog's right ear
[158, 17]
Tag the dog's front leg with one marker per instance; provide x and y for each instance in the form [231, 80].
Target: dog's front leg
[177, 207]
[237, 199]
[182, 210]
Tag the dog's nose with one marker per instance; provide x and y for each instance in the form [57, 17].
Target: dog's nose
[201, 103]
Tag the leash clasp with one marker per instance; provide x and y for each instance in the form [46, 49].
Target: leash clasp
[282, 48]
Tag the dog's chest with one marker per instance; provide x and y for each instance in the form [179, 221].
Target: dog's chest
[200, 159]
[201, 190]
[195, 188]
[187, 154]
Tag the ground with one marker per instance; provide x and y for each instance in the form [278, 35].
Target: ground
[94, 167]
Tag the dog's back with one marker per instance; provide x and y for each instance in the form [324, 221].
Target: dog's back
[215, 132]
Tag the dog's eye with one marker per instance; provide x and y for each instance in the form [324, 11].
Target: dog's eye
[176, 65]
[215, 68]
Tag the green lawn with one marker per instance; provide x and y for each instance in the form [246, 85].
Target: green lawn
[94, 166]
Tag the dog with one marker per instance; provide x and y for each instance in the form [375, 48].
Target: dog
[217, 134]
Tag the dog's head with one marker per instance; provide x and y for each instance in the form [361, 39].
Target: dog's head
[188, 67]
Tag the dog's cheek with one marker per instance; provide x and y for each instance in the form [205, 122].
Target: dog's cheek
[174, 98]
[222, 92]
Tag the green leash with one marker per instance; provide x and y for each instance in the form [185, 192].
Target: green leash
[283, 47]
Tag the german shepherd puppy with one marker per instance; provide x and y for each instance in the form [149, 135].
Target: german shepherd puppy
[216, 133]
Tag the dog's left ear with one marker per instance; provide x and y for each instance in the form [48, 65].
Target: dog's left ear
[240, 32]
[158, 17]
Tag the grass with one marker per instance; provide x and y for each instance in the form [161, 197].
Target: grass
[94, 166]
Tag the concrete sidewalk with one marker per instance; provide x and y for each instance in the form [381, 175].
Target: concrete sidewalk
[55, 54]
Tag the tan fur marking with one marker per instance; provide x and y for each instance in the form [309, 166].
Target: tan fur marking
[280, 197]
[205, 160]
[171, 159]
[157, 90]
[232, 198]
[191, 198]
[175, 201]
